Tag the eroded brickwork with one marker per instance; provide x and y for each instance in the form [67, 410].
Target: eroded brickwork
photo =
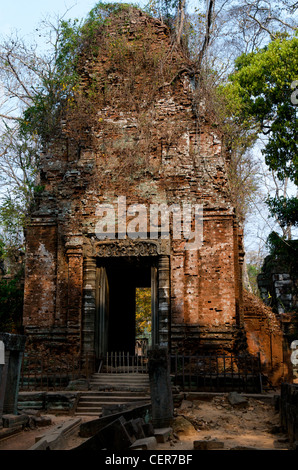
[265, 337]
[139, 135]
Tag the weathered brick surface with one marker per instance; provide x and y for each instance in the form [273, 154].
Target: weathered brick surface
[264, 336]
[138, 137]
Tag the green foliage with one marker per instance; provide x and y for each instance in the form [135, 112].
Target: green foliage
[56, 88]
[165, 9]
[285, 209]
[56, 91]
[11, 304]
[259, 101]
[11, 293]
[143, 312]
[282, 253]
[260, 91]
[252, 272]
[12, 223]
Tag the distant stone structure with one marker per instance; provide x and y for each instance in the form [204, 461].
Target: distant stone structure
[135, 130]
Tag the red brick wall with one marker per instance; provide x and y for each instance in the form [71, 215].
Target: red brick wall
[40, 276]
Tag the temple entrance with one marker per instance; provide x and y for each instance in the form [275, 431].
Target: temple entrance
[120, 280]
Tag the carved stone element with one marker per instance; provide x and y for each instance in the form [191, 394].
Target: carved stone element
[89, 287]
[127, 248]
[163, 299]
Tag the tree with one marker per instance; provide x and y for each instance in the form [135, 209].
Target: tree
[260, 94]
[143, 312]
[11, 304]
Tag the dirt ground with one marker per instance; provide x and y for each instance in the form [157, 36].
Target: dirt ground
[254, 426]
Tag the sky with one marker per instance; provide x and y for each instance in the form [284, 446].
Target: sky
[25, 16]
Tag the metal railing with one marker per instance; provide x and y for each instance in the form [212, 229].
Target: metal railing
[216, 373]
[190, 373]
[123, 362]
[40, 372]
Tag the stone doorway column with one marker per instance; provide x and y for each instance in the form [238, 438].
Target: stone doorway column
[89, 307]
[163, 300]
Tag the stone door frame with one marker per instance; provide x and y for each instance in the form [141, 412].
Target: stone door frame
[160, 283]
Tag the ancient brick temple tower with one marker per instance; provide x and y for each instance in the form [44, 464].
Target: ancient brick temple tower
[133, 132]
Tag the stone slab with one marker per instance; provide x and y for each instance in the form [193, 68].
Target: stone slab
[12, 421]
[134, 427]
[7, 432]
[42, 421]
[91, 428]
[55, 438]
[162, 434]
[208, 445]
[149, 443]
[115, 436]
[235, 399]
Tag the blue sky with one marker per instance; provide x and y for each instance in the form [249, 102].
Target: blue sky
[25, 16]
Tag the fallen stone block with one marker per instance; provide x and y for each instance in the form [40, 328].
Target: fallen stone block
[12, 421]
[55, 438]
[134, 427]
[162, 434]
[42, 421]
[208, 445]
[115, 436]
[149, 443]
[7, 432]
[91, 428]
[235, 399]
[54, 441]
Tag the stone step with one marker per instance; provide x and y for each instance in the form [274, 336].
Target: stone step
[113, 389]
[89, 413]
[125, 387]
[120, 393]
[100, 380]
[109, 383]
[119, 377]
[114, 395]
[103, 380]
[121, 374]
[114, 399]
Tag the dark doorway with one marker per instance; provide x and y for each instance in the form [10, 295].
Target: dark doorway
[116, 304]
